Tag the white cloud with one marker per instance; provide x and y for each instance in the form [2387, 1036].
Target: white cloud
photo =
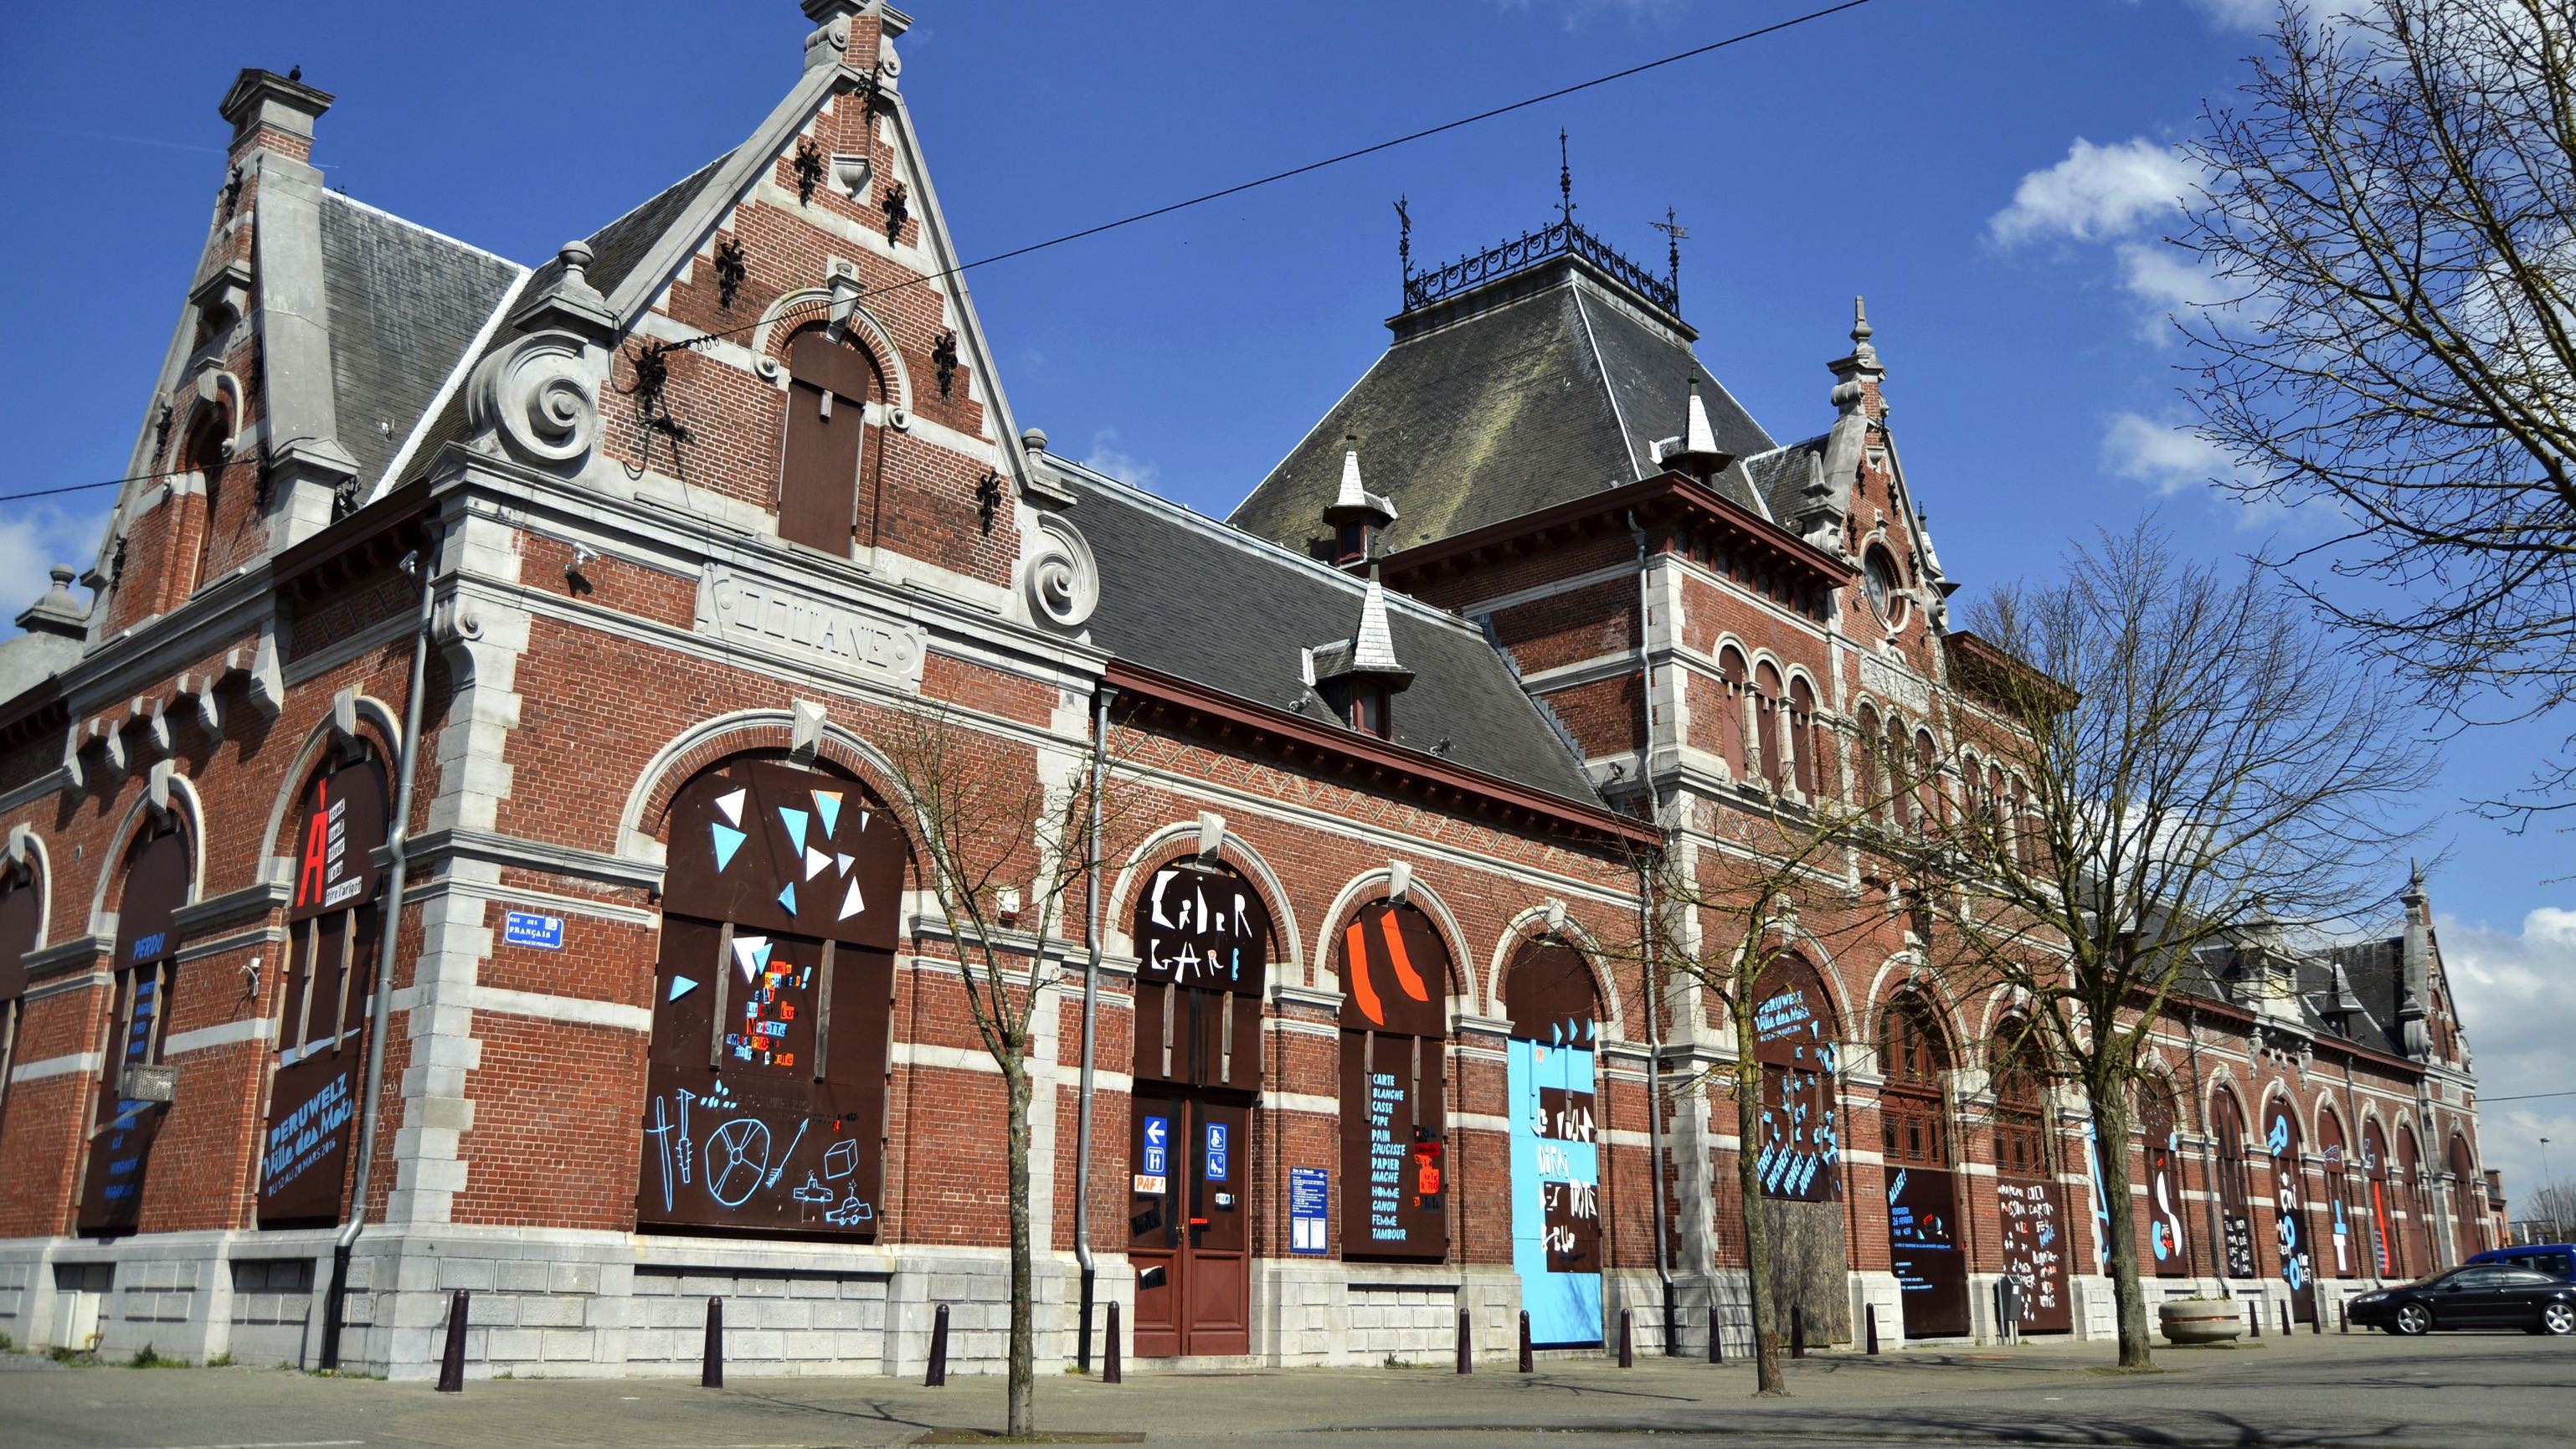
[2162, 454]
[2098, 193]
[2260, 14]
[1107, 457]
[2517, 999]
[33, 540]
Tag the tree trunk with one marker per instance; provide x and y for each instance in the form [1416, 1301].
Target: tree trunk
[2110, 1103]
[1023, 1370]
[1767, 1379]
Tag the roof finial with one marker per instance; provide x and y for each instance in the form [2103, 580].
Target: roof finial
[1564, 180]
[1673, 232]
[1861, 330]
[1404, 239]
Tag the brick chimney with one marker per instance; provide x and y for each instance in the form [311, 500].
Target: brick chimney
[272, 112]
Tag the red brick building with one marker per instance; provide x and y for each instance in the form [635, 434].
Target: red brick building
[454, 845]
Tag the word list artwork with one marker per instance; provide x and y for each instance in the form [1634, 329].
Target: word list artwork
[1393, 1108]
[1556, 1189]
[2034, 1250]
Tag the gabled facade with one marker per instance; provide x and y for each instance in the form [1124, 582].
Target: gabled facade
[454, 847]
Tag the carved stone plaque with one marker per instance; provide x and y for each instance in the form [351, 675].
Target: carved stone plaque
[754, 613]
[1899, 686]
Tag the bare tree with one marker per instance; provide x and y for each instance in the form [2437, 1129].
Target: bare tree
[2391, 214]
[2170, 756]
[2551, 1209]
[1722, 914]
[1002, 846]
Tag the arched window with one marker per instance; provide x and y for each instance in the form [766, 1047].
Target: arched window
[1735, 730]
[1913, 1054]
[1797, 1040]
[2284, 1147]
[22, 914]
[829, 386]
[1203, 960]
[1929, 807]
[1549, 1071]
[1803, 741]
[2160, 1131]
[765, 1106]
[2343, 1224]
[1770, 731]
[134, 1088]
[2416, 1232]
[334, 926]
[2034, 1209]
[2235, 1191]
[1395, 1026]
[2383, 1202]
[2468, 1200]
[1873, 786]
[204, 457]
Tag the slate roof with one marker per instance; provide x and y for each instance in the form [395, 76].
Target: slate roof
[1192, 597]
[2374, 972]
[1524, 402]
[1780, 475]
[405, 303]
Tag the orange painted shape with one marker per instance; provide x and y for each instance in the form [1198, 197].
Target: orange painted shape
[1405, 975]
[1355, 953]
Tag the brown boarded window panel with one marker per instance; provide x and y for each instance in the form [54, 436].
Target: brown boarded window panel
[1796, 1041]
[765, 1085]
[21, 915]
[1394, 1104]
[828, 388]
[1202, 947]
[120, 1149]
[330, 959]
[2168, 1229]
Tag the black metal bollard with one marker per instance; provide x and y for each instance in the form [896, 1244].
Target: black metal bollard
[1797, 1332]
[711, 1375]
[1716, 1337]
[2288, 1326]
[451, 1365]
[1109, 1373]
[1627, 1338]
[1529, 1364]
[1466, 1343]
[2254, 1310]
[1873, 1330]
[937, 1377]
[2343, 1317]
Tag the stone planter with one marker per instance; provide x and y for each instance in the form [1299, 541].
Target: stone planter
[2202, 1320]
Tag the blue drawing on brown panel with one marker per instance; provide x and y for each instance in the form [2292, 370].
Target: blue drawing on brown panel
[660, 1132]
[840, 1160]
[737, 1160]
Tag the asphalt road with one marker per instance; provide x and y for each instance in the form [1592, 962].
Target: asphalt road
[2453, 1391]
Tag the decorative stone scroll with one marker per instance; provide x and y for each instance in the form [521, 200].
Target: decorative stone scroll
[755, 613]
[1060, 577]
[537, 398]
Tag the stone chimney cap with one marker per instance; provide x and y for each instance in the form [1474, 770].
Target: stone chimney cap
[265, 98]
[1354, 503]
[57, 612]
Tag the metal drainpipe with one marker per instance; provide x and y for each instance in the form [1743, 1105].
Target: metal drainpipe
[1090, 1015]
[1646, 904]
[2208, 1154]
[398, 843]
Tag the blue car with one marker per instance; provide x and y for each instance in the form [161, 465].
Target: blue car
[2558, 1260]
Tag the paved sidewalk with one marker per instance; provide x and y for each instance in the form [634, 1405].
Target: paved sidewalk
[2455, 1391]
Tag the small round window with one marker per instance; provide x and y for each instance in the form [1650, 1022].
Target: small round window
[1880, 570]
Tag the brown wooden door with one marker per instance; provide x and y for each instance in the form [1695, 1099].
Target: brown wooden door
[1189, 1230]
[818, 483]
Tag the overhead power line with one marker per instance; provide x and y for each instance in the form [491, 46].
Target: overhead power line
[1185, 204]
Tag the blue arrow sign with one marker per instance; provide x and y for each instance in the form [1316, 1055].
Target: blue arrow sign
[1157, 1132]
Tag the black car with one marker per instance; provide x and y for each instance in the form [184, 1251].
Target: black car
[2479, 1295]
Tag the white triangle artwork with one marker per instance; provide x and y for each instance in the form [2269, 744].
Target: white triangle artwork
[846, 863]
[816, 861]
[751, 953]
[851, 905]
[731, 805]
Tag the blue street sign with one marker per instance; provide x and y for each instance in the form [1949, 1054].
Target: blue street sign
[1216, 1152]
[1158, 1132]
[527, 928]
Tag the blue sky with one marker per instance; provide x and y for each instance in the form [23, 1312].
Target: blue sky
[1991, 173]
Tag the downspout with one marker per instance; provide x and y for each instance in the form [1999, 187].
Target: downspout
[1090, 1015]
[1646, 904]
[2208, 1155]
[379, 1021]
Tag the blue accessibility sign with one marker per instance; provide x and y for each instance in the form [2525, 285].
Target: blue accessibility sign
[1216, 1152]
[1158, 1133]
